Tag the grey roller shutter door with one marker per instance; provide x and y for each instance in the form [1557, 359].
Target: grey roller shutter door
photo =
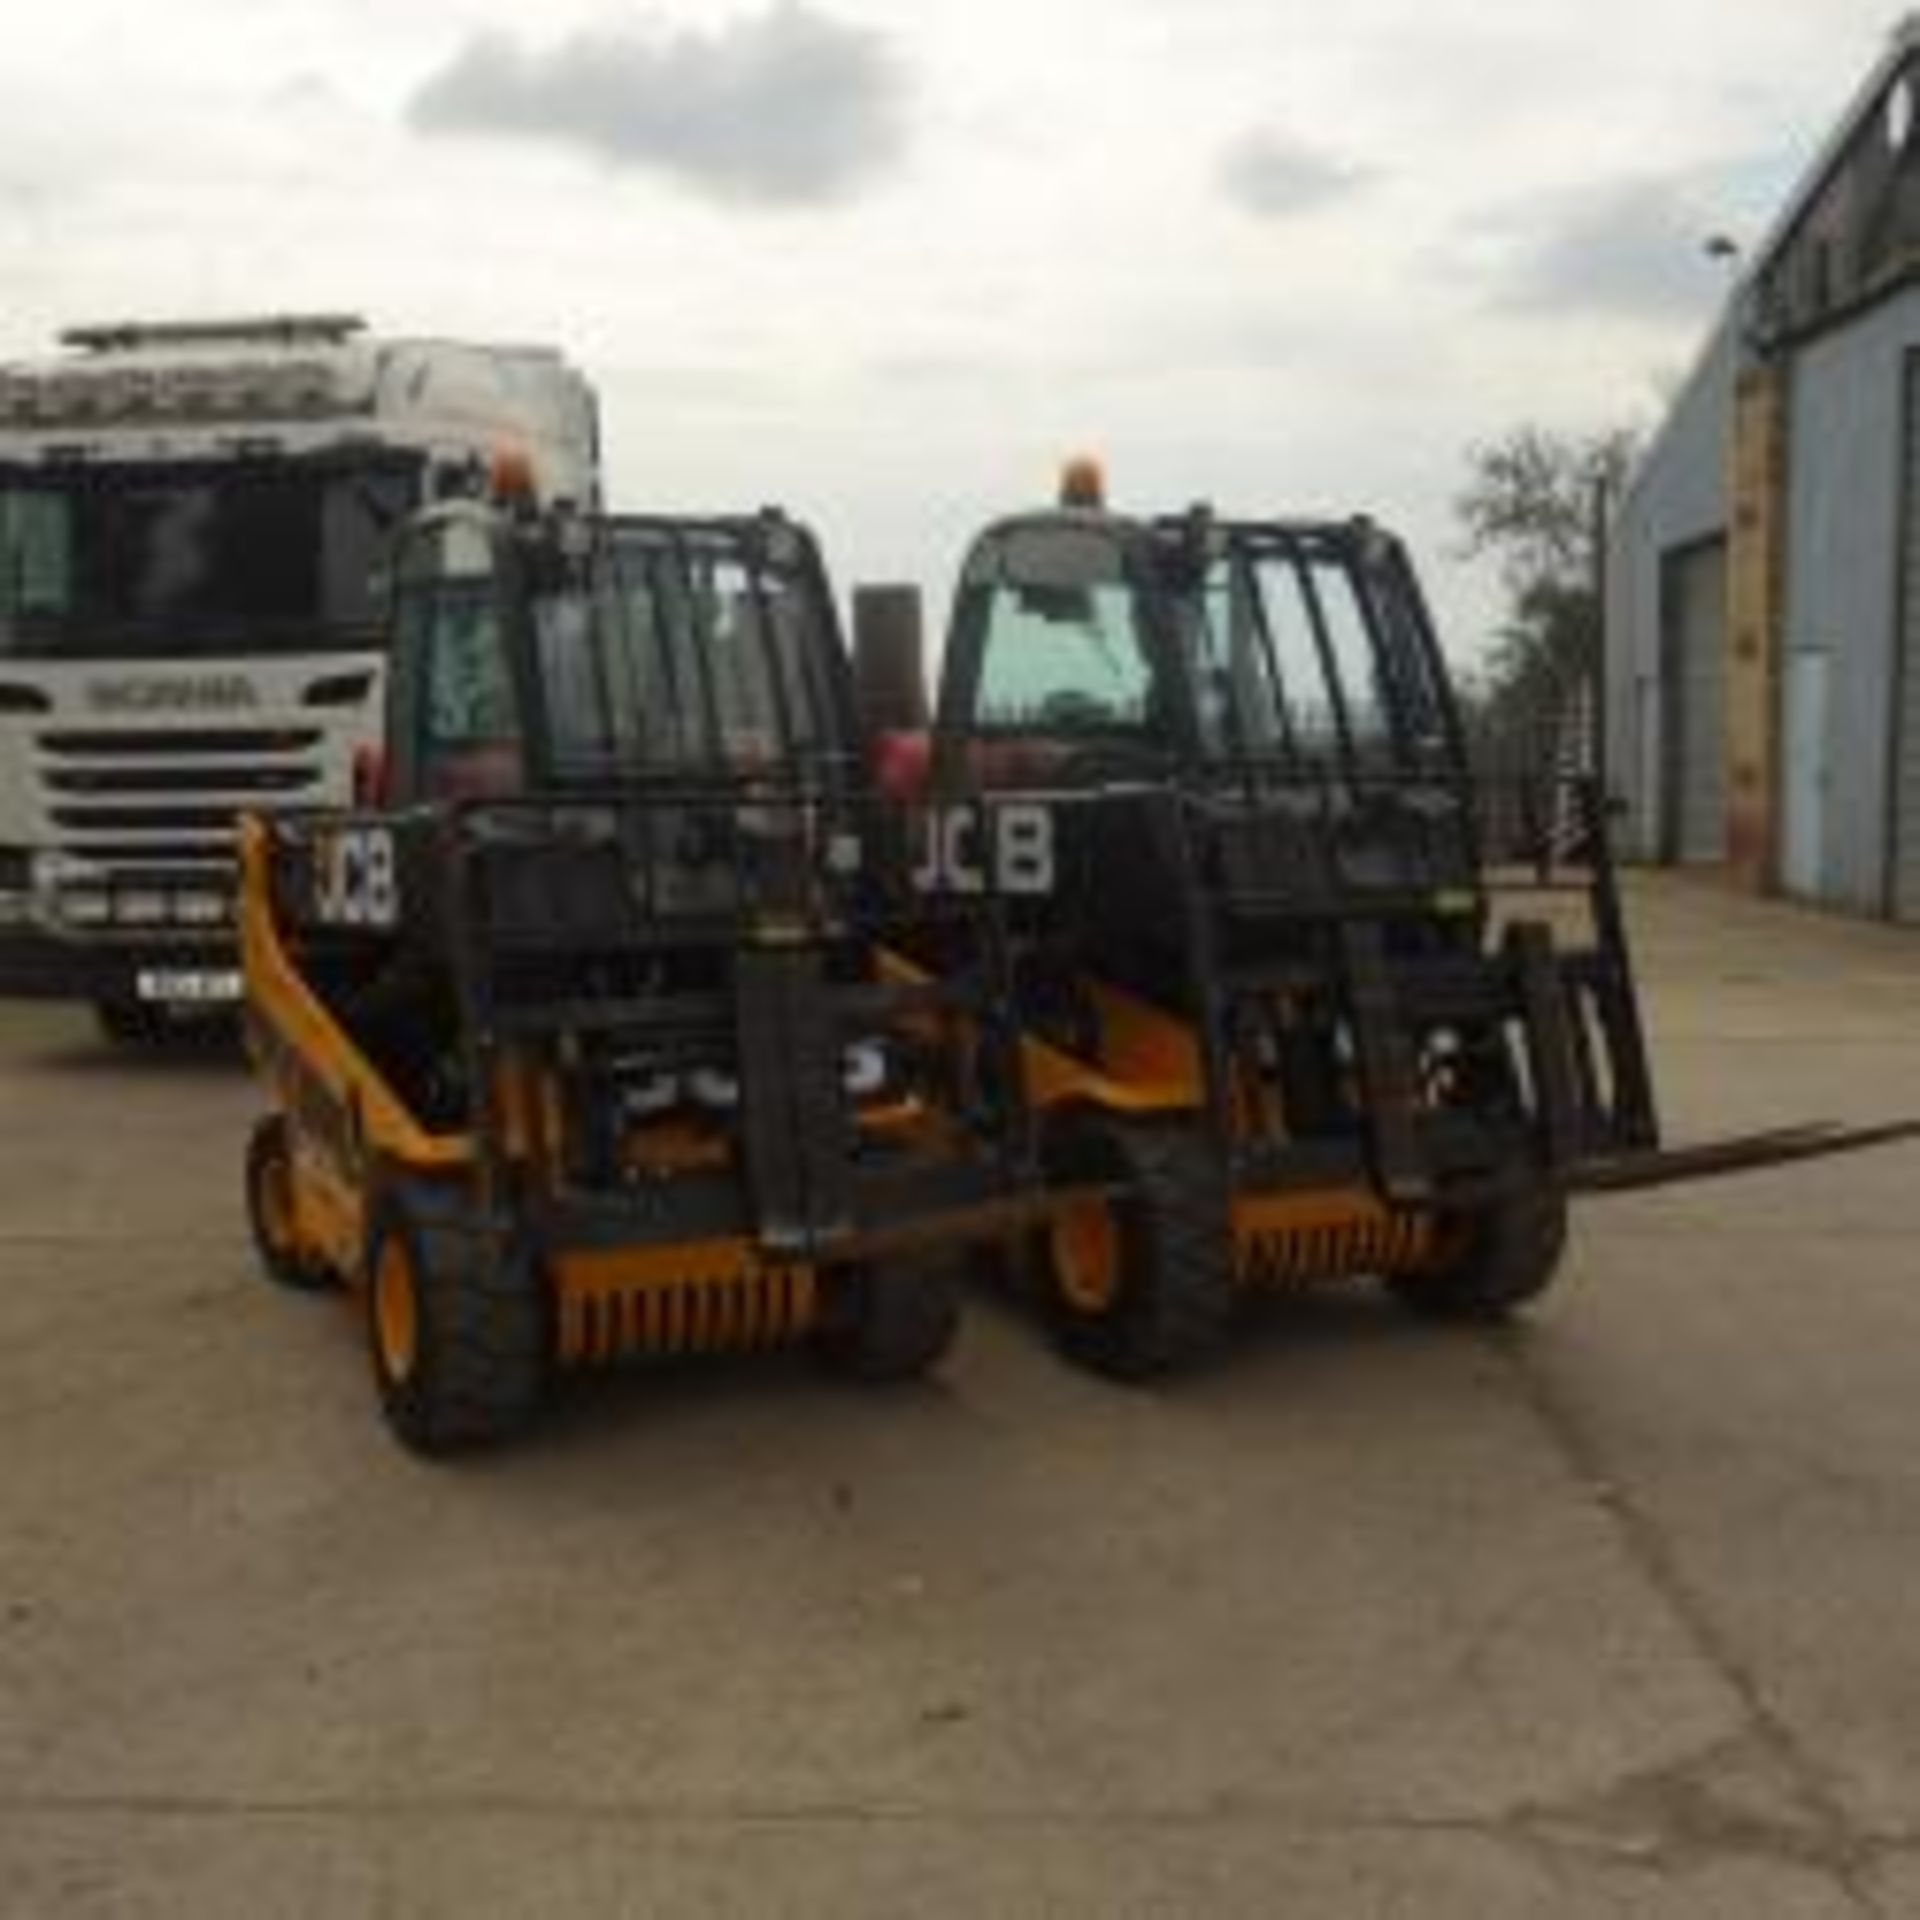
[1905, 888]
[1697, 658]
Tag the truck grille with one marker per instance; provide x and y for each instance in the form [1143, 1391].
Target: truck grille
[167, 819]
[150, 857]
[179, 779]
[162, 742]
[150, 811]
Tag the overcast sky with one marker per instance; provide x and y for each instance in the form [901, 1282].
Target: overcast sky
[886, 263]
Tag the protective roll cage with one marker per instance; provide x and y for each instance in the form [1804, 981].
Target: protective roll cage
[1292, 819]
[786, 673]
[1381, 689]
[619, 649]
[1296, 650]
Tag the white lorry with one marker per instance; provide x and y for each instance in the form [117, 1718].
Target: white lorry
[192, 518]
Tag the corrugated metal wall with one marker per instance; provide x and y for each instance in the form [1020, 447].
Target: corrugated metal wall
[1845, 460]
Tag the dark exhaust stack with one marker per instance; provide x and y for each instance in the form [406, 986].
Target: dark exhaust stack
[889, 674]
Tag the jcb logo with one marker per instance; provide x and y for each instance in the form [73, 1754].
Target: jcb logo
[355, 883]
[971, 850]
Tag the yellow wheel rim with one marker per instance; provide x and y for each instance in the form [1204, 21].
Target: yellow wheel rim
[1085, 1244]
[396, 1310]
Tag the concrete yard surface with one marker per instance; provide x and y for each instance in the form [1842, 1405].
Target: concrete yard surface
[1617, 1613]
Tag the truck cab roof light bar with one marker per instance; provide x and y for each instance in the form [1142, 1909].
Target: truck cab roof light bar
[280, 329]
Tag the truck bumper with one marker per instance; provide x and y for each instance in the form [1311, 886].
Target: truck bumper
[36, 965]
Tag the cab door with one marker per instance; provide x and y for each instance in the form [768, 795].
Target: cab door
[455, 721]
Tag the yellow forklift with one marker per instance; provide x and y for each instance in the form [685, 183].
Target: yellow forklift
[577, 1029]
[1297, 996]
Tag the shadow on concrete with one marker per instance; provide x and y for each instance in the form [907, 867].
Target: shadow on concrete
[644, 1401]
[1344, 1342]
[82, 1054]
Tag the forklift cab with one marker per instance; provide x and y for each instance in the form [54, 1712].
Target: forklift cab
[1290, 663]
[583, 1033]
[1267, 851]
[1249, 721]
[547, 654]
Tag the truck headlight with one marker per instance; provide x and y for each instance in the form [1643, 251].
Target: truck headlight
[84, 908]
[52, 868]
[140, 909]
[200, 909]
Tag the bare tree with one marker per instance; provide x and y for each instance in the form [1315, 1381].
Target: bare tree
[1531, 502]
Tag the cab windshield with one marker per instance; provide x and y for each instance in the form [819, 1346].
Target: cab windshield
[178, 562]
[1059, 627]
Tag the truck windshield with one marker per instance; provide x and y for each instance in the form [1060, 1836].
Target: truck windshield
[181, 562]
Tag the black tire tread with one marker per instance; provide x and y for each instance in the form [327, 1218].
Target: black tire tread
[885, 1324]
[1177, 1298]
[486, 1340]
[1511, 1256]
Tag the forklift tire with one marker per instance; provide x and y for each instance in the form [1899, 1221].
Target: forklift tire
[1509, 1254]
[270, 1211]
[881, 1323]
[1139, 1285]
[458, 1330]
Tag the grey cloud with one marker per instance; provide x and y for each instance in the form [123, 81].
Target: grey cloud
[1275, 175]
[302, 91]
[1632, 249]
[787, 107]
[937, 367]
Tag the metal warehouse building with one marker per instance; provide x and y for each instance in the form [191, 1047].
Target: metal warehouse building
[1763, 631]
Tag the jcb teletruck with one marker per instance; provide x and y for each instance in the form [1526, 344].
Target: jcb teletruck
[1285, 1010]
[190, 516]
[583, 1039]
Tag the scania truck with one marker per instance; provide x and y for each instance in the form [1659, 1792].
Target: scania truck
[192, 523]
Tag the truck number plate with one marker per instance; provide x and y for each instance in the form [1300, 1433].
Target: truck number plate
[189, 986]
